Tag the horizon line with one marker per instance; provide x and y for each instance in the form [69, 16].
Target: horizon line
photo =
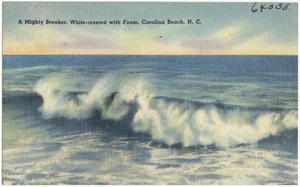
[150, 54]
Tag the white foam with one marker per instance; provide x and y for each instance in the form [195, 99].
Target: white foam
[63, 98]
[166, 121]
[176, 123]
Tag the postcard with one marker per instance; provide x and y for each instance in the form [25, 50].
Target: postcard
[150, 93]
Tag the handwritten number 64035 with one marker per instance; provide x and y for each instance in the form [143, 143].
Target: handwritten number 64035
[264, 6]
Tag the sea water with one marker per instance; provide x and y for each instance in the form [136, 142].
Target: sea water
[116, 119]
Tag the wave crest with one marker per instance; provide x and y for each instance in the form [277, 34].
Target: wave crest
[209, 124]
[168, 120]
[65, 96]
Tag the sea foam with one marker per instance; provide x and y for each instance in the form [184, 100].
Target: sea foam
[168, 120]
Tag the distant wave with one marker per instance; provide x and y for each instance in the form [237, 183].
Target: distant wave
[169, 120]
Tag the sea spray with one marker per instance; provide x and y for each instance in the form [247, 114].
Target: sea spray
[65, 96]
[185, 123]
[168, 120]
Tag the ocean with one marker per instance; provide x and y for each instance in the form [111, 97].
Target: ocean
[127, 119]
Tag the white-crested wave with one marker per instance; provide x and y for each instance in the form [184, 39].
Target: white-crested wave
[68, 96]
[166, 120]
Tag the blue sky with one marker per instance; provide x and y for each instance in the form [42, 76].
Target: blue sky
[227, 28]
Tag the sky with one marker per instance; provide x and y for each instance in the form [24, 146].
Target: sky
[225, 29]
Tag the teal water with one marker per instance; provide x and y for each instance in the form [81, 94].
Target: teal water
[150, 119]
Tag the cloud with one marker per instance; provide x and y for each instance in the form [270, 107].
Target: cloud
[227, 34]
[239, 39]
[155, 40]
[220, 40]
[82, 40]
[262, 44]
[49, 40]
[31, 40]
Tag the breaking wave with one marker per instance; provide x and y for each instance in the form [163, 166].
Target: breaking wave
[169, 120]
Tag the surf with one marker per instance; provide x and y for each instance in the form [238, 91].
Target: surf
[168, 120]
